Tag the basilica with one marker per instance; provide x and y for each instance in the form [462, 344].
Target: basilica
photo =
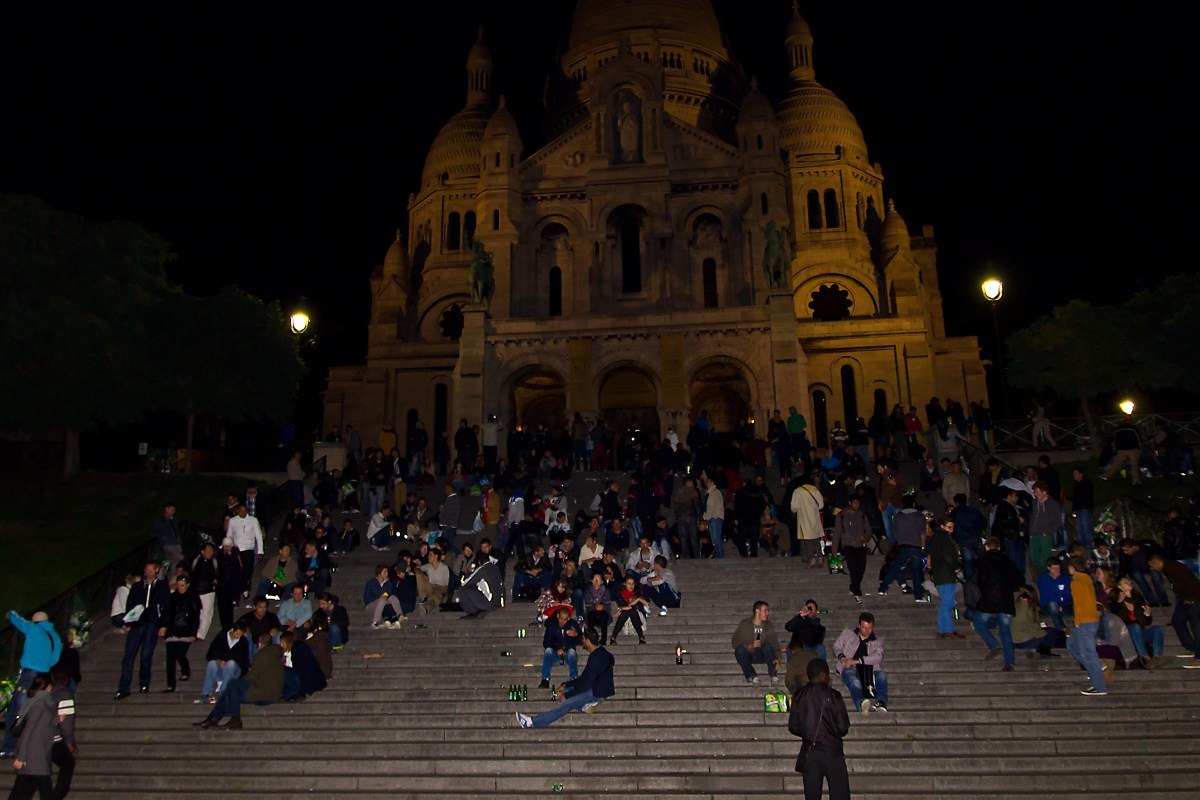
[674, 243]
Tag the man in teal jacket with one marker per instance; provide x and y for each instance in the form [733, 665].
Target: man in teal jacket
[42, 649]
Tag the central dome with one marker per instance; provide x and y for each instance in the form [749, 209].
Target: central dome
[603, 22]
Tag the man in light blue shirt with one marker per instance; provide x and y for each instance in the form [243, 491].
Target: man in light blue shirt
[295, 613]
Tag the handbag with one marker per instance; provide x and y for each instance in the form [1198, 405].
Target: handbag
[866, 676]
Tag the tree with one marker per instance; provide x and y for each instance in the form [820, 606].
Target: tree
[1078, 350]
[229, 354]
[75, 301]
[1166, 325]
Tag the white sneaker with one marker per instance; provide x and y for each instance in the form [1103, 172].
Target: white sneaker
[662, 612]
[754, 681]
[524, 720]
[774, 679]
[865, 706]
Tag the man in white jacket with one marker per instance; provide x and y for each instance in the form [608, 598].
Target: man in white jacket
[247, 537]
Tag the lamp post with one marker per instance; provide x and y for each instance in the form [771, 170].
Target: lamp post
[299, 322]
[993, 290]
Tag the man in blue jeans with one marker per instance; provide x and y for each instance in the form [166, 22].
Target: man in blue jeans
[560, 640]
[41, 651]
[998, 579]
[754, 641]
[910, 529]
[861, 647]
[583, 693]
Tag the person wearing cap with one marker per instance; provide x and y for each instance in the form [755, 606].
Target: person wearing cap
[41, 650]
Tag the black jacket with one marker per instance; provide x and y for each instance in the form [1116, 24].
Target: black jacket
[204, 574]
[154, 598]
[183, 614]
[1179, 539]
[998, 580]
[220, 650]
[230, 572]
[819, 716]
[1008, 522]
[807, 632]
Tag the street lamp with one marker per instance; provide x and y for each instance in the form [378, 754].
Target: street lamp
[993, 290]
[1127, 406]
[299, 322]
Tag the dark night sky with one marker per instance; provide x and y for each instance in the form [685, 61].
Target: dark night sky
[275, 146]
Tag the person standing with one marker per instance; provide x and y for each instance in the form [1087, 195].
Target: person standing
[851, 537]
[491, 439]
[39, 724]
[1044, 521]
[295, 479]
[685, 502]
[64, 750]
[166, 532]
[806, 503]
[204, 582]
[1186, 617]
[582, 693]
[232, 576]
[1082, 644]
[943, 568]
[181, 624]
[997, 578]
[41, 651]
[247, 537]
[714, 514]
[819, 717]
[145, 616]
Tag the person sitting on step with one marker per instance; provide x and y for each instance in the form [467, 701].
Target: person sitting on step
[560, 639]
[339, 620]
[641, 560]
[534, 572]
[228, 658]
[754, 642]
[379, 598]
[859, 654]
[631, 607]
[807, 644]
[583, 693]
[659, 586]
[598, 602]
[433, 579]
[1026, 631]
[261, 685]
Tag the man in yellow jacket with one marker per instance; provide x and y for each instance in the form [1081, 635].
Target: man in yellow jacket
[1082, 644]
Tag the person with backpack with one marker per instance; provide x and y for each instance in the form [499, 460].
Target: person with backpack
[36, 730]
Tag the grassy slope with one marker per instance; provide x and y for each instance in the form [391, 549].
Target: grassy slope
[55, 534]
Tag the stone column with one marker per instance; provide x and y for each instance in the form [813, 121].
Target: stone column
[789, 364]
[468, 372]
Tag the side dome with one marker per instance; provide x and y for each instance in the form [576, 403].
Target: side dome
[813, 121]
[502, 123]
[599, 23]
[455, 150]
[755, 106]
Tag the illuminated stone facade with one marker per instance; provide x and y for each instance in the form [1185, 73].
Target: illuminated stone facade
[630, 257]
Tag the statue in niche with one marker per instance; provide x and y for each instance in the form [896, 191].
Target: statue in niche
[775, 257]
[708, 232]
[482, 283]
[628, 127]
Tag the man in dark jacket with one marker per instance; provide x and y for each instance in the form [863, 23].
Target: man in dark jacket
[823, 722]
[1180, 540]
[145, 614]
[1009, 528]
[584, 692]
[560, 640]
[998, 580]
[748, 505]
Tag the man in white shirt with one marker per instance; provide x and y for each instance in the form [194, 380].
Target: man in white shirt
[433, 579]
[247, 537]
[591, 553]
[641, 561]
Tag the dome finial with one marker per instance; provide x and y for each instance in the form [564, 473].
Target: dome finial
[799, 42]
[479, 73]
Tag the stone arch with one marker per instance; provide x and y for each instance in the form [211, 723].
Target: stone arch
[726, 389]
[629, 251]
[629, 399]
[428, 324]
[536, 394]
[862, 299]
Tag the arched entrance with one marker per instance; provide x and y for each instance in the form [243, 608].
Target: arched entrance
[721, 389]
[539, 397]
[629, 406]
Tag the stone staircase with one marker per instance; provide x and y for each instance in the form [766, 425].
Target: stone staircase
[431, 718]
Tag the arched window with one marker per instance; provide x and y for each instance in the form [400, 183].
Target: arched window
[469, 230]
[555, 304]
[453, 231]
[496, 219]
[881, 406]
[820, 417]
[441, 410]
[631, 255]
[709, 276]
[814, 210]
[409, 427]
[497, 159]
[849, 395]
[760, 141]
[762, 203]
[831, 209]
[858, 210]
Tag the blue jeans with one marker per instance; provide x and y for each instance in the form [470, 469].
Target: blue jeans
[983, 621]
[336, 637]
[718, 540]
[889, 513]
[906, 556]
[663, 596]
[24, 681]
[764, 654]
[141, 638]
[1082, 645]
[1043, 644]
[1083, 526]
[850, 678]
[970, 552]
[551, 656]
[1147, 641]
[945, 618]
[214, 674]
[575, 702]
[1055, 612]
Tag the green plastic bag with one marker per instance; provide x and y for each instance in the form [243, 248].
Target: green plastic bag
[776, 703]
